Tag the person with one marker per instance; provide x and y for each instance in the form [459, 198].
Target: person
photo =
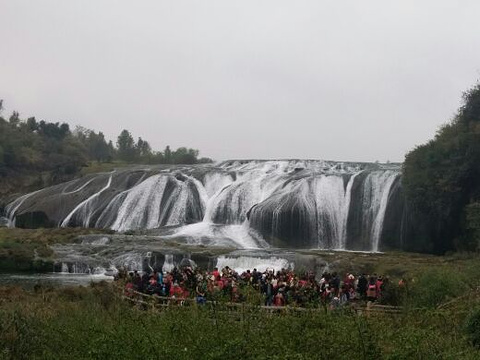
[362, 286]
[129, 289]
[379, 287]
[201, 290]
[372, 290]
[267, 289]
[343, 296]
[279, 299]
[216, 273]
[335, 303]
[177, 292]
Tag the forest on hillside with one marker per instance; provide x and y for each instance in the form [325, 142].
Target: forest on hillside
[442, 182]
[32, 146]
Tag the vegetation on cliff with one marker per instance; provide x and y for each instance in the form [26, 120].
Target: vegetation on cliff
[36, 154]
[442, 182]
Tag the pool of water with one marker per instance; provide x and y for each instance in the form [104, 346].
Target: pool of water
[28, 281]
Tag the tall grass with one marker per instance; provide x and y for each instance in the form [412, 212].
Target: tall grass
[92, 323]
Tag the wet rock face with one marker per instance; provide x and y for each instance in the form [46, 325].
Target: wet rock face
[294, 204]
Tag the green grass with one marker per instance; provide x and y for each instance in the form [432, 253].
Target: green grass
[440, 318]
[80, 323]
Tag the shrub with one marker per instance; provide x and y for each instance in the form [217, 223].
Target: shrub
[435, 287]
[472, 327]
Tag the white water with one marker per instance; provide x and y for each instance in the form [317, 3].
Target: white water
[376, 192]
[346, 209]
[330, 198]
[216, 182]
[387, 180]
[129, 261]
[11, 209]
[244, 263]
[64, 192]
[86, 207]
[239, 236]
[141, 207]
[288, 196]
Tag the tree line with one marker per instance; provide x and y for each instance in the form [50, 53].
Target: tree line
[442, 182]
[29, 144]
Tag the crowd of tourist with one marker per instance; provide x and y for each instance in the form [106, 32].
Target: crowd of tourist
[280, 288]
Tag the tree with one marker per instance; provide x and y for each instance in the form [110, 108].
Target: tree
[126, 146]
[14, 119]
[32, 124]
[98, 147]
[442, 177]
[167, 155]
[144, 151]
[185, 156]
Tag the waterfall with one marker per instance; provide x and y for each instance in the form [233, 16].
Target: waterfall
[86, 207]
[244, 263]
[241, 204]
[141, 206]
[330, 197]
[66, 192]
[348, 198]
[160, 200]
[376, 190]
[378, 222]
[11, 209]
[215, 182]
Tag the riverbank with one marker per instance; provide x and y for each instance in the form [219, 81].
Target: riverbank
[93, 322]
[28, 250]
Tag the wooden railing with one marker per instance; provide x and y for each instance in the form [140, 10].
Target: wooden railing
[155, 301]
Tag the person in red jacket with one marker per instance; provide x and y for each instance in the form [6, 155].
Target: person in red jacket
[216, 273]
[279, 299]
[176, 291]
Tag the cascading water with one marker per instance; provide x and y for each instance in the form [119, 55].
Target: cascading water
[242, 204]
[83, 211]
[244, 263]
[377, 189]
[141, 206]
[11, 209]
[346, 209]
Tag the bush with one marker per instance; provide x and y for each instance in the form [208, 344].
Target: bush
[472, 327]
[435, 287]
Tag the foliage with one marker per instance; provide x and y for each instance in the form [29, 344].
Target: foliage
[36, 154]
[126, 146]
[472, 225]
[78, 323]
[442, 177]
[436, 286]
[472, 327]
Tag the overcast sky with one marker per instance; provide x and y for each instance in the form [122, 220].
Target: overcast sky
[340, 80]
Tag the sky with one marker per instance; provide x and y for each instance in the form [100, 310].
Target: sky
[344, 80]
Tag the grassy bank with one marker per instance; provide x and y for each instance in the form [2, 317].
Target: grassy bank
[28, 249]
[440, 318]
[80, 323]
